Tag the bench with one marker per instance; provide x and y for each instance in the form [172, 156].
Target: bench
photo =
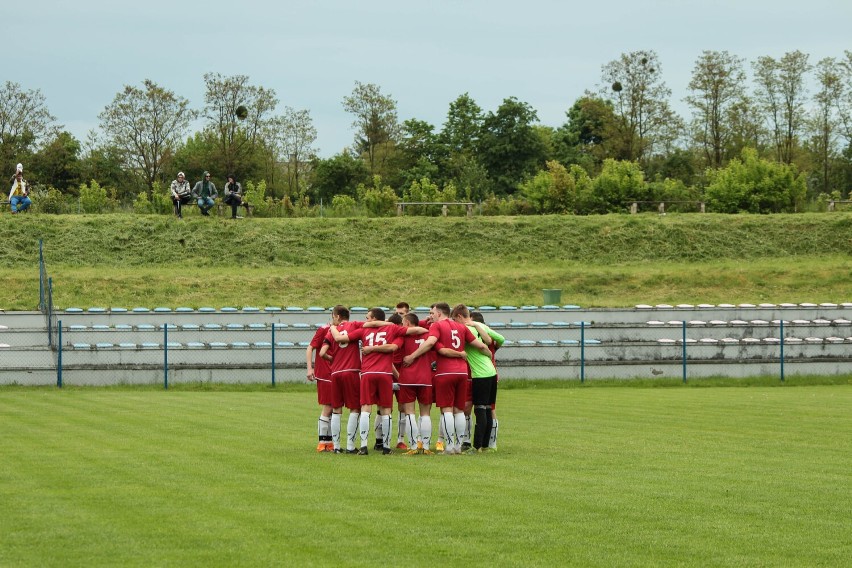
[661, 207]
[832, 204]
[400, 206]
[223, 208]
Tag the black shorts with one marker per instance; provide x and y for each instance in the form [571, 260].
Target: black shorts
[485, 391]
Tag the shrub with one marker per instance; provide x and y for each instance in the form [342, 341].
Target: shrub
[754, 185]
[95, 199]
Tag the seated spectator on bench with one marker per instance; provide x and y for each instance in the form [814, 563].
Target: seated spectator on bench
[205, 192]
[19, 194]
[233, 195]
[181, 194]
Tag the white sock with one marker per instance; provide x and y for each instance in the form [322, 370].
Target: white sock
[413, 430]
[323, 427]
[442, 431]
[377, 426]
[460, 425]
[492, 442]
[335, 430]
[426, 430]
[448, 422]
[386, 428]
[364, 423]
[402, 428]
[465, 437]
[351, 430]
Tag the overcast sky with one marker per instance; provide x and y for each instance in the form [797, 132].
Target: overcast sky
[423, 54]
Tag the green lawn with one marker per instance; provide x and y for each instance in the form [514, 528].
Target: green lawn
[584, 476]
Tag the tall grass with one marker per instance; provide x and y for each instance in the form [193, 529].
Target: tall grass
[598, 261]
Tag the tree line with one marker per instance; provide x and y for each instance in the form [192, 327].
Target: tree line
[776, 141]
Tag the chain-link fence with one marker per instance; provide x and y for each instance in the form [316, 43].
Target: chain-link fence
[253, 345]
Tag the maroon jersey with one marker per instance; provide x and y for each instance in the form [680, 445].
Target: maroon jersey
[322, 370]
[420, 372]
[453, 335]
[377, 362]
[345, 356]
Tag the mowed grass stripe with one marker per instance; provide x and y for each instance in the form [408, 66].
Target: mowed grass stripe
[609, 476]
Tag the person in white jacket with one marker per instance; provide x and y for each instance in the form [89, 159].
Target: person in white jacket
[19, 194]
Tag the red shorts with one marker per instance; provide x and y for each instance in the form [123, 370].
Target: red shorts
[324, 392]
[469, 395]
[345, 390]
[377, 388]
[421, 393]
[450, 390]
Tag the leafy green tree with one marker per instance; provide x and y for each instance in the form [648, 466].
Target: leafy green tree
[25, 125]
[57, 163]
[376, 124]
[379, 199]
[754, 185]
[195, 157]
[509, 147]
[619, 183]
[463, 126]
[103, 163]
[551, 191]
[590, 134]
[147, 125]
[781, 92]
[717, 85]
[293, 134]
[238, 115]
[421, 153]
[338, 175]
[824, 123]
[639, 95]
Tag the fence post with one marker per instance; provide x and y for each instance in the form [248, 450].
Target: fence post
[582, 351]
[50, 314]
[782, 350]
[166, 356]
[684, 351]
[41, 275]
[273, 354]
[59, 357]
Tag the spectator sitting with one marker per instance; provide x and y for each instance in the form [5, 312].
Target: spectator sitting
[205, 192]
[233, 195]
[19, 194]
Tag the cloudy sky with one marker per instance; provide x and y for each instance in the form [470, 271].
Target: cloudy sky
[424, 54]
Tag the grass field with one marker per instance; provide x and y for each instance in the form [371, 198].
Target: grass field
[758, 476]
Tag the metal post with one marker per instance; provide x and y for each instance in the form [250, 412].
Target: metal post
[50, 314]
[41, 275]
[59, 358]
[782, 350]
[684, 351]
[166, 356]
[273, 354]
[582, 351]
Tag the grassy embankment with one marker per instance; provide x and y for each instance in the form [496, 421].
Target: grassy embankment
[616, 260]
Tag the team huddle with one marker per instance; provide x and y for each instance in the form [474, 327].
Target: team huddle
[446, 360]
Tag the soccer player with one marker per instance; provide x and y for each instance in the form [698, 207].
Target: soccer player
[415, 384]
[345, 378]
[483, 374]
[319, 371]
[451, 373]
[495, 345]
[377, 346]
